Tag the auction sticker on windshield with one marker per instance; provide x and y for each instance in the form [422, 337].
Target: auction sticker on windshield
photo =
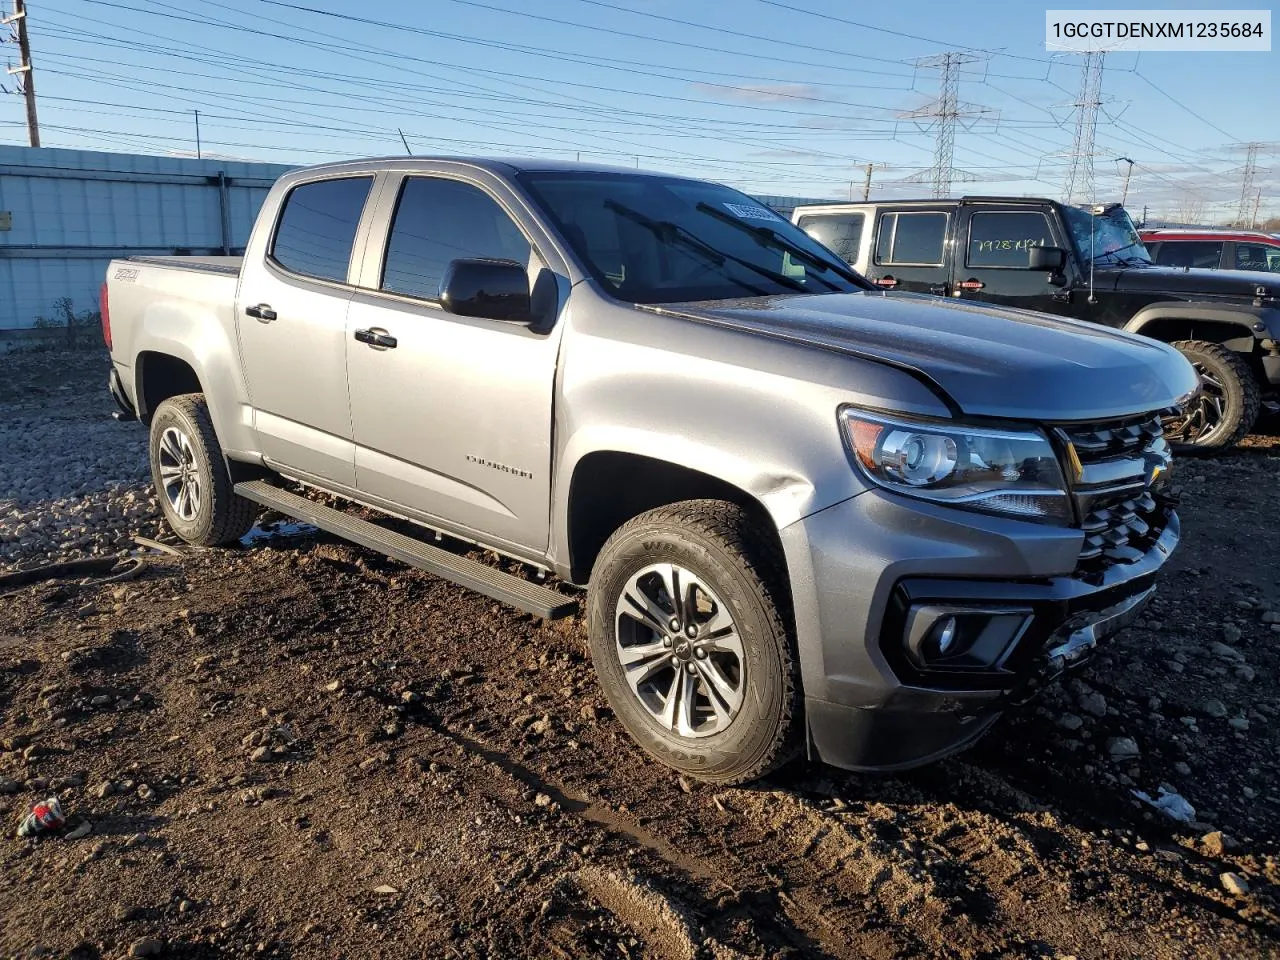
[751, 213]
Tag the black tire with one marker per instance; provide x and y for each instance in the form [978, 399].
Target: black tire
[739, 561]
[217, 515]
[1229, 384]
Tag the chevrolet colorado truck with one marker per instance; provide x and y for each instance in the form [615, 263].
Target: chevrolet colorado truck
[1085, 262]
[809, 515]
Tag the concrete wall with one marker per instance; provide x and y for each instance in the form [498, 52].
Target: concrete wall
[65, 213]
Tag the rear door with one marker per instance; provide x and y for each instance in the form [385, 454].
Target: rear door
[991, 256]
[910, 249]
[292, 326]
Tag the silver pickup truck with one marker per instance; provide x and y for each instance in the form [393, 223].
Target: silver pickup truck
[809, 515]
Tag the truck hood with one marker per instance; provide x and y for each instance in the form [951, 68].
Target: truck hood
[1240, 285]
[985, 361]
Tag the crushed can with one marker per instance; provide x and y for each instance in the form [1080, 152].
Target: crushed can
[45, 817]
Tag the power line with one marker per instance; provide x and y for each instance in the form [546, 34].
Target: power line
[630, 35]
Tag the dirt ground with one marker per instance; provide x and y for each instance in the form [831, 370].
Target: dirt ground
[300, 749]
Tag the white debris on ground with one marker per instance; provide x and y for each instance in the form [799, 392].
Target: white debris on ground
[1172, 805]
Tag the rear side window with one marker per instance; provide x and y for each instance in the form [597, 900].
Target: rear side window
[318, 227]
[1256, 256]
[911, 239]
[1200, 254]
[840, 232]
[438, 221]
[1002, 239]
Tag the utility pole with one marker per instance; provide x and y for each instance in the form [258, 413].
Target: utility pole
[1079, 182]
[866, 186]
[1257, 202]
[1144, 214]
[1124, 195]
[26, 79]
[944, 113]
[199, 153]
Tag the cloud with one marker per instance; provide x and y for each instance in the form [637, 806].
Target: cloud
[762, 92]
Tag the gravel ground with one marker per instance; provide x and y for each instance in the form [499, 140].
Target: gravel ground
[72, 480]
[300, 749]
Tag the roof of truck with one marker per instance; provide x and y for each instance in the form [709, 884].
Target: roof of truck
[499, 165]
[1208, 233]
[929, 201]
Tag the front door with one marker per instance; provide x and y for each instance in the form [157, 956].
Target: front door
[992, 250]
[292, 327]
[454, 420]
[910, 250]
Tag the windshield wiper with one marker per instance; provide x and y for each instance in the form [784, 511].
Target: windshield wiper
[768, 237]
[1112, 253]
[673, 233]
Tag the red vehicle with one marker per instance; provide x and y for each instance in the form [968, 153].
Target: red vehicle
[1214, 249]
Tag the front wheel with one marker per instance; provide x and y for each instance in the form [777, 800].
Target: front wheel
[1228, 403]
[688, 623]
[192, 483]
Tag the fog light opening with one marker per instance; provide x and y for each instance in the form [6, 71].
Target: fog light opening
[944, 636]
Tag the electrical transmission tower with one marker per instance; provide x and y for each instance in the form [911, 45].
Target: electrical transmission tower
[943, 114]
[1079, 183]
[26, 82]
[1246, 187]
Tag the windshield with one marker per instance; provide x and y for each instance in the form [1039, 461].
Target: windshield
[1107, 238]
[650, 239]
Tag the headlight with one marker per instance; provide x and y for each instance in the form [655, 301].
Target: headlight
[1012, 472]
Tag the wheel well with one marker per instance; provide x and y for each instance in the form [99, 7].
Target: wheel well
[161, 376]
[610, 488]
[1233, 336]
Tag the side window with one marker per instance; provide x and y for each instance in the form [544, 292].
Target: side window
[839, 232]
[1255, 256]
[911, 239]
[438, 220]
[1200, 254]
[1002, 239]
[317, 227]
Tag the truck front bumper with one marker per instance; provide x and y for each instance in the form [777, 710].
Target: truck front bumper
[869, 565]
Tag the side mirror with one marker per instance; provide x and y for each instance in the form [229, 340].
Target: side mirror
[491, 289]
[1047, 259]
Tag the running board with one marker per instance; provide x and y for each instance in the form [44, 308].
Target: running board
[482, 578]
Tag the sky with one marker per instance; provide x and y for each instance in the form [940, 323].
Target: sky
[772, 97]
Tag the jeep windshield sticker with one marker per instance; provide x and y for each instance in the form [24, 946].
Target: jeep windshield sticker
[746, 212]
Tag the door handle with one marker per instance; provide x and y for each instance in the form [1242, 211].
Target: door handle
[376, 337]
[971, 284]
[261, 312]
[887, 281]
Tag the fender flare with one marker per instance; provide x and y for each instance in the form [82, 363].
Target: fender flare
[1247, 319]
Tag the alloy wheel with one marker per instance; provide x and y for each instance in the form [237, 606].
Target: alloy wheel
[179, 473]
[680, 650]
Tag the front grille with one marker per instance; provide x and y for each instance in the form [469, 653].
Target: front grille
[1120, 469]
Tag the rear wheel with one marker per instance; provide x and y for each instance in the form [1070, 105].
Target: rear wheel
[1225, 410]
[687, 617]
[190, 475]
